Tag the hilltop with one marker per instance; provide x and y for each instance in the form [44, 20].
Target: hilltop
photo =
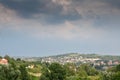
[103, 57]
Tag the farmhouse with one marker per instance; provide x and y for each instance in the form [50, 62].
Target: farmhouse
[3, 61]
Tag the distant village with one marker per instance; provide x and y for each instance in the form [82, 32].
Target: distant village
[78, 59]
[97, 62]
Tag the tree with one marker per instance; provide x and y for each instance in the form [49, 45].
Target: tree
[18, 59]
[73, 78]
[43, 77]
[116, 76]
[54, 72]
[81, 72]
[57, 72]
[106, 75]
[0, 57]
[91, 71]
[24, 73]
[8, 73]
[117, 68]
[70, 69]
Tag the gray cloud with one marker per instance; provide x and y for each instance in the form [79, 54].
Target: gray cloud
[30, 8]
[59, 11]
[113, 3]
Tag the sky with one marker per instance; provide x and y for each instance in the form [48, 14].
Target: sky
[52, 27]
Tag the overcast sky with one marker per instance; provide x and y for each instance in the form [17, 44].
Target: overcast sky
[50, 27]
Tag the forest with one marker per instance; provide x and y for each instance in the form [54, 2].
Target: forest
[18, 69]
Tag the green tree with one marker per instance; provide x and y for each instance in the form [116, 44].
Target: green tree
[43, 77]
[57, 72]
[18, 59]
[116, 76]
[0, 57]
[73, 78]
[70, 69]
[117, 68]
[24, 73]
[54, 72]
[8, 73]
[91, 71]
[81, 72]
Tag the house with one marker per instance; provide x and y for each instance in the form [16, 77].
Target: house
[3, 61]
[30, 66]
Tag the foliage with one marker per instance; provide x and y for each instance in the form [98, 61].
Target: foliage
[70, 69]
[112, 74]
[17, 70]
[87, 70]
[116, 76]
[72, 78]
[106, 76]
[24, 73]
[54, 72]
[14, 70]
[8, 73]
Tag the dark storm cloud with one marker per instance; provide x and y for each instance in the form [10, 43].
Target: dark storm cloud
[29, 8]
[113, 3]
[57, 18]
[58, 11]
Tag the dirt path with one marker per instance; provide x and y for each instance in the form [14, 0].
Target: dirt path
[35, 74]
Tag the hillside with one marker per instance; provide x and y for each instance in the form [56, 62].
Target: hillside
[103, 57]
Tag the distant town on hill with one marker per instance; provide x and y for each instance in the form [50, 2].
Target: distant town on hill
[98, 61]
